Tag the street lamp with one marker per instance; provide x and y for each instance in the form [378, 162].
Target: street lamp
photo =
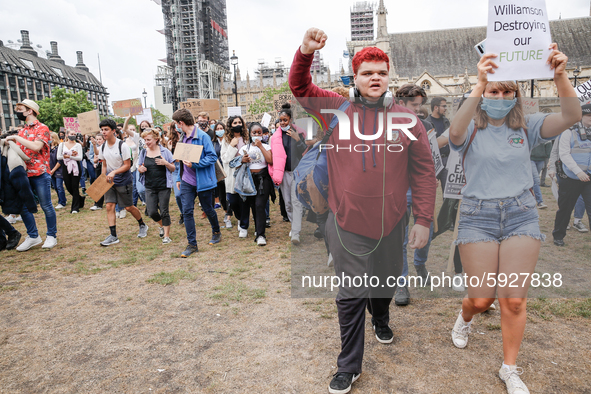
[576, 74]
[144, 95]
[234, 62]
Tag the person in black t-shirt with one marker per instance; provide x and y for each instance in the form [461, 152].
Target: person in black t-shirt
[441, 123]
[156, 165]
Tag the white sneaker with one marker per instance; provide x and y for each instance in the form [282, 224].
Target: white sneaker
[290, 234]
[459, 334]
[580, 227]
[330, 261]
[166, 240]
[228, 223]
[18, 218]
[95, 208]
[74, 212]
[295, 239]
[492, 307]
[458, 284]
[122, 214]
[11, 219]
[50, 242]
[242, 233]
[117, 215]
[261, 241]
[510, 375]
[59, 206]
[28, 243]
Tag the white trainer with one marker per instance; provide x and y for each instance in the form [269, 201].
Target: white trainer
[458, 284]
[50, 242]
[117, 215]
[510, 375]
[122, 214]
[11, 219]
[242, 233]
[74, 212]
[228, 223]
[295, 239]
[261, 241]
[28, 243]
[59, 206]
[459, 334]
[330, 260]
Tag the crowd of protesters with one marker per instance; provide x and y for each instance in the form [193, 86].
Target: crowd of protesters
[237, 156]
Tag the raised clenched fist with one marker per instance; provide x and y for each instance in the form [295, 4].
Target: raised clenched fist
[314, 40]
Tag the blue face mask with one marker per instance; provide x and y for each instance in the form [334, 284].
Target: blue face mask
[178, 129]
[285, 128]
[497, 109]
[219, 133]
[265, 138]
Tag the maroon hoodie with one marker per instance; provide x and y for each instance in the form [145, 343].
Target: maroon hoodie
[360, 195]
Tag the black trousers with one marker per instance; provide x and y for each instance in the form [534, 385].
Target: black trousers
[72, 184]
[569, 191]
[157, 202]
[386, 261]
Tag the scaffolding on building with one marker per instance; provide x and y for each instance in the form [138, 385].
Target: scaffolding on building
[196, 47]
[278, 70]
[164, 78]
[362, 21]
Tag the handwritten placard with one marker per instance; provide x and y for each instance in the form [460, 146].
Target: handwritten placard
[187, 152]
[437, 161]
[71, 124]
[530, 106]
[145, 115]
[211, 106]
[584, 92]
[124, 108]
[99, 187]
[234, 111]
[89, 122]
[280, 99]
[518, 32]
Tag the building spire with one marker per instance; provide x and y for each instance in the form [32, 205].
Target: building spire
[382, 21]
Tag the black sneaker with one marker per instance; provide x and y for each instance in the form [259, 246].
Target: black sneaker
[13, 240]
[559, 242]
[268, 223]
[215, 238]
[383, 333]
[181, 220]
[402, 295]
[190, 250]
[341, 382]
[422, 272]
[285, 219]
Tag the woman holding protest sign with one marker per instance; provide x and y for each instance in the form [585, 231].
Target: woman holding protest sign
[156, 166]
[235, 138]
[498, 232]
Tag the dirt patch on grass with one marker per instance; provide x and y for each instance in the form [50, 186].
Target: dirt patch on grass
[135, 317]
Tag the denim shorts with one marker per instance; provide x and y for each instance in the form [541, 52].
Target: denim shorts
[498, 219]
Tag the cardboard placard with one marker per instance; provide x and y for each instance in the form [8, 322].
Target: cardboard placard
[280, 99]
[89, 122]
[584, 92]
[187, 152]
[211, 106]
[518, 32]
[437, 161]
[124, 108]
[455, 176]
[99, 187]
[220, 174]
[530, 106]
[71, 124]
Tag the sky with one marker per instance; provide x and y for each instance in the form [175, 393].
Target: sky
[124, 32]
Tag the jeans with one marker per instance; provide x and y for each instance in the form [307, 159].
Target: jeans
[177, 192]
[188, 195]
[82, 174]
[239, 206]
[139, 191]
[157, 202]
[580, 208]
[58, 184]
[569, 191]
[536, 167]
[90, 171]
[41, 186]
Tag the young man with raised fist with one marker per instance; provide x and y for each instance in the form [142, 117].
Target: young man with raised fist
[369, 174]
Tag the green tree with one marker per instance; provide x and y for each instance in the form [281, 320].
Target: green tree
[118, 119]
[159, 118]
[62, 104]
[265, 102]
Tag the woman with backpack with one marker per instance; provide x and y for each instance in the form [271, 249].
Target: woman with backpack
[156, 166]
[259, 155]
[499, 236]
[70, 152]
[288, 146]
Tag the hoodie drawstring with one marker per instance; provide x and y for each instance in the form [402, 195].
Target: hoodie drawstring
[363, 132]
[373, 142]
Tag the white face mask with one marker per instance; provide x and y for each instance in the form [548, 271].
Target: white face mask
[285, 128]
[257, 138]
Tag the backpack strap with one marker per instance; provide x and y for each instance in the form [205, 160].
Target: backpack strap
[467, 146]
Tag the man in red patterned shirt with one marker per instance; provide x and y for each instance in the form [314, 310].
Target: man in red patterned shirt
[34, 140]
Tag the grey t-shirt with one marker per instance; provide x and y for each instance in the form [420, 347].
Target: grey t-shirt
[115, 159]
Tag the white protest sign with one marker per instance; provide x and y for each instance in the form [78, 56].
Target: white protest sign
[455, 176]
[146, 115]
[530, 105]
[584, 92]
[234, 111]
[518, 33]
[435, 152]
[266, 119]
